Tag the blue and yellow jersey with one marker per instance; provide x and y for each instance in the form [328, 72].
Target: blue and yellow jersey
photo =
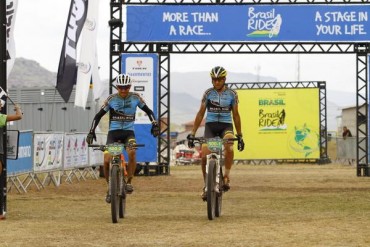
[122, 110]
[219, 105]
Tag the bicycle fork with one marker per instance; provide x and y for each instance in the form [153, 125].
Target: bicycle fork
[215, 157]
[114, 162]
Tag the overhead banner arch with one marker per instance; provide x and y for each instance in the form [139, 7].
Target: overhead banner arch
[254, 23]
[310, 27]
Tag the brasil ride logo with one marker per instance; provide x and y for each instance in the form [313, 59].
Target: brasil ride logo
[304, 140]
[263, 24]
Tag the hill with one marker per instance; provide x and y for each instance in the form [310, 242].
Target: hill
[28, 73]
[186, 89]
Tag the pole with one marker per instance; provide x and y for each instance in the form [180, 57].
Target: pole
[3, 84]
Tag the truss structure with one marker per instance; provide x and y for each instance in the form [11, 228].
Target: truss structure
[165, 49]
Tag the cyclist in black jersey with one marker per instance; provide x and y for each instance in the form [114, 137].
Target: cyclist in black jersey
[221, 104]
[122, 109]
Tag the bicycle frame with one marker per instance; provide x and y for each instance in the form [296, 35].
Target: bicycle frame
[117, 180]
[214, 175]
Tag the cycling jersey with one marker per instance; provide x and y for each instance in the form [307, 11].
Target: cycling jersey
[219, 105]
[122, 110]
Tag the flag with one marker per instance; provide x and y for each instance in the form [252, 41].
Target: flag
[11, 9]
[3, 96]
[67, 70]
[88, 56]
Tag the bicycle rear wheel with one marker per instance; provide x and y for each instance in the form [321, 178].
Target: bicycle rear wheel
[211, 193]
[219, 194]
[114, 190]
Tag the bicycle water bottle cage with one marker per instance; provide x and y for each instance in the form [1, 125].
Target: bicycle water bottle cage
[214, 144]
[115, 148]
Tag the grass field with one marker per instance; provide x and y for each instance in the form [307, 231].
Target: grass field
[268, 205]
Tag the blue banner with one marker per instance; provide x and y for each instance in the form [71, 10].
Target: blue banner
[143, 69]
[267, 23]
[24, 162]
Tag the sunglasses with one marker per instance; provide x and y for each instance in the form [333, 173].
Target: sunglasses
[123, 87]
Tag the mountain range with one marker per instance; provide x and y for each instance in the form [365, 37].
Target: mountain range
[186, 89]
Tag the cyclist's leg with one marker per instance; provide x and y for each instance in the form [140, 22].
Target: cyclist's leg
[229, 155]
[208, 133]
[130, 139]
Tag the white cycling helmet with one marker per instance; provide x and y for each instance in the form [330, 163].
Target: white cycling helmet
[123, 80]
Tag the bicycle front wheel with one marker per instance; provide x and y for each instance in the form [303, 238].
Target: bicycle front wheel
[114, 190]
[122, 199]
[211, 193]
[219, 194]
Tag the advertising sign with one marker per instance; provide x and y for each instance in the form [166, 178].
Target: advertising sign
[47, 150]
[267, 23]
[23, 163]
[143, 69]
[280, 123]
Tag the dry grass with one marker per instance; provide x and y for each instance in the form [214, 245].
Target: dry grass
[269, 205]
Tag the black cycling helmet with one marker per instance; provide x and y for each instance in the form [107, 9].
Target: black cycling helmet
[218, 72]
[122, 80]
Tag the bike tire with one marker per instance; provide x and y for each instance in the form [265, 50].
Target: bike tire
[219, 194]
[122, 200]
[211, 193]
[114, 190]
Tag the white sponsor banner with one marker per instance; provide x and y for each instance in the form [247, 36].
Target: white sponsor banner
[75, 151]
[11, 9]
[48, 151]
[88, 56]
[96, 157]
[141, 69]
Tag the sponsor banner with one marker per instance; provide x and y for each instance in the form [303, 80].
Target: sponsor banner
[88, 56]
[67, 70]
[12, 144]
[280, 123]
[267, 23]
[143, 69]
[23, 163]
[75, 151]
[47, 151]
[11, 9]
[96, 157]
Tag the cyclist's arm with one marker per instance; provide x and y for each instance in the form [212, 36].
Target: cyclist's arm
[148, 112]
[236, 118]
[96, 119]
[199, 117]
[16, 116]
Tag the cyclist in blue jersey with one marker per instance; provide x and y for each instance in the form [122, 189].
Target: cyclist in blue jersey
[122, 109]
[221, 104]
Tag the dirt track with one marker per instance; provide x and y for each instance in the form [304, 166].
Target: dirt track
[269, 205]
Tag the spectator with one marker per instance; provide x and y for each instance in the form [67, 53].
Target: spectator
[346, 132]
[3, 120]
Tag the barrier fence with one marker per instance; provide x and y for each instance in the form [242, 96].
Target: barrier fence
[44, 158]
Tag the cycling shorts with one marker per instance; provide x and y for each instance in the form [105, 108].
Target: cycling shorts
[214, 129]
[121, 136]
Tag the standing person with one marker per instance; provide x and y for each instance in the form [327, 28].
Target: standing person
[221, 104]
[3, 120]
[346, 132]
[122, 109]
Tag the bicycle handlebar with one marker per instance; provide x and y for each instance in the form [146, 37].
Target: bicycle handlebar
[202, 139]
[104, 146]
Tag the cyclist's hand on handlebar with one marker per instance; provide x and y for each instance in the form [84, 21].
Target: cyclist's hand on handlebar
[90, 137]
[155, 129]
[190, 138]
[240, 142]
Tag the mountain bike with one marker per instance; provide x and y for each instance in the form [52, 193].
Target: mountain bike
[117, 176]
[214, 186]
